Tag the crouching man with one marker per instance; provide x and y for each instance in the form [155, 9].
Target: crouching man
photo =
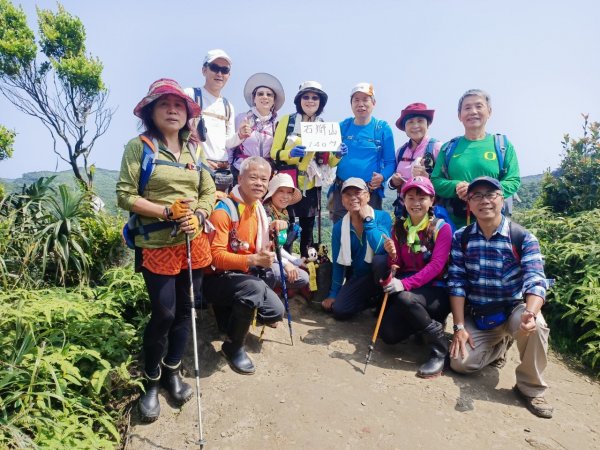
[497, 287]
[241, 262]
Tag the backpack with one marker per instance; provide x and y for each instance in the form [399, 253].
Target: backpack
[516, 233]
[427, 155]
[149, 160]
[198, 99]
[500, 145]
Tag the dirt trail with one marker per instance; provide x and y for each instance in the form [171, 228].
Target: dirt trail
[314, 395]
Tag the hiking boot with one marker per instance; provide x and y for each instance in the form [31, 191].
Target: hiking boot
[500, 362]
[171, 380]
[435, 336]
[234, 351]
[536, 405]
[148, 405]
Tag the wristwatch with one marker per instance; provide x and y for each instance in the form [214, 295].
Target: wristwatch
[368, 219]
[458, 327]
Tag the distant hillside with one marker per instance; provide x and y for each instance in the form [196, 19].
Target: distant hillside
[105, 180]
[104, 183]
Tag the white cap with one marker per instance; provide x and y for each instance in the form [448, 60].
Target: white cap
[365, 88]
[216, 54]
[355, 182]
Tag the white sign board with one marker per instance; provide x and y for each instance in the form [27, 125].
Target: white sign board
[321, 136]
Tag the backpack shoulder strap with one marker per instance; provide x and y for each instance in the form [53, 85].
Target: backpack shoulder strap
[401, 151]
[438, 224]
[291, 124]
[231, 207]
[464, 238]
[429, 148]
[227, 109]
[450, 147]
[148, 160]
[517, 236]
[198, 96]
[500, 144]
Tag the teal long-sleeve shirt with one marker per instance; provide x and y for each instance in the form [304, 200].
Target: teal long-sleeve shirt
[374, 232]
[472, 159]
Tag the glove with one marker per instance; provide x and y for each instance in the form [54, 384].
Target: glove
[343, 150]
[178, 209]
[194, 222]
[394, 286]
[298, 151]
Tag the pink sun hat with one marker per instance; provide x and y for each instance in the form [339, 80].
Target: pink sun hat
[421, 183]
[166, 86]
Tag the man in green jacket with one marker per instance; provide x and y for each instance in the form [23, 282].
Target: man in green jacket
[473, 155]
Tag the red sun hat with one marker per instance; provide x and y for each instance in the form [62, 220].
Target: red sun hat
[421, 183]
[414, 110]
[166, 86]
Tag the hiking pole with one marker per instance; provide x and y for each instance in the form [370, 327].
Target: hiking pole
[319, 193]
[283, 285]
[376, 332]
[188, 249]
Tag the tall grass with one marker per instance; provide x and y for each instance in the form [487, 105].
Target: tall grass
[65, 361]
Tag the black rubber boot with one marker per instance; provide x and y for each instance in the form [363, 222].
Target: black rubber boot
[222, 314]
[171, 380]
[148, 405]
[234, 351]
[434, 333]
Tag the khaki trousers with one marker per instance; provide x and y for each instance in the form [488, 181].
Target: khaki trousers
[491, 344]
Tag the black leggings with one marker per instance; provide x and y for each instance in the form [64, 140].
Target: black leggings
[409, 312]
[169, 325]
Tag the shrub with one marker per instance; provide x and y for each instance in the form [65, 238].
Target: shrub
[575, 185]
[572, 257]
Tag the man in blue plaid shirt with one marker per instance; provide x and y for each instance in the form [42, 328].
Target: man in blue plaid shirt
[496, 293]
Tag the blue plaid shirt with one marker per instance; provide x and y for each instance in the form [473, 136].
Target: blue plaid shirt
[488, 270]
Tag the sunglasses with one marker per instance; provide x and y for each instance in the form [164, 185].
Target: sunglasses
[217, 68]
[314, 98]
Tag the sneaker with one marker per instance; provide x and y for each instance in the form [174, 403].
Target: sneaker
[536, 405]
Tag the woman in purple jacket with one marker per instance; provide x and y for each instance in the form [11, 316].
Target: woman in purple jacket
[418, 300]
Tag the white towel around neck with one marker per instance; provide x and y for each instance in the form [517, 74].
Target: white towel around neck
[262, 233]
[345, 256]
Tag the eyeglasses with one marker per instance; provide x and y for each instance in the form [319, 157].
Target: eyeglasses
[264, 94]
[217, 68]
[491, 196]
[353, 193]
[314, 98]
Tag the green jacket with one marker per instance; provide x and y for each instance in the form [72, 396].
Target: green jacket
[472, 159]
[166, 184]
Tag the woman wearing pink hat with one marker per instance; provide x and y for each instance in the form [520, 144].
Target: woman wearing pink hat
[163, 184]
[418, 298]
[417, 156]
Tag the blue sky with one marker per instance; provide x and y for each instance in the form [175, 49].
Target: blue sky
[537, 59]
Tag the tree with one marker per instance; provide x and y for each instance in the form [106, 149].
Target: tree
[59, 84]
[7, 139]
[575, 186]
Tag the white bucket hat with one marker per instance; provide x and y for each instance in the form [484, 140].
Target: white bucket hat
[267, 80]
[283, 180]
